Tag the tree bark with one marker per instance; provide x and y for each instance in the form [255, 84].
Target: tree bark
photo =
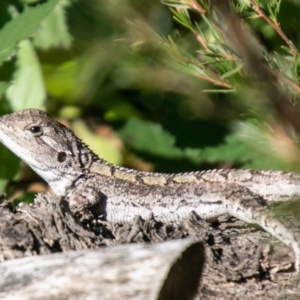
[241, 262]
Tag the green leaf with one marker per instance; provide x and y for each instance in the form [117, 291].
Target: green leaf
[28, 89]
[150, 138]
[22, 27]
[61, 79]
[121, 111]
[104, 148]
[55, 30]
[3, 87]
[9, 164]
[176, 4]
[193, 154]
[247, 147]
[3, 183]
[218, 91]
[233, 150]
[232, 72]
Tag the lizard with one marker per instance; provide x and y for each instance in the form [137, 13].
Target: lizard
[83, 179]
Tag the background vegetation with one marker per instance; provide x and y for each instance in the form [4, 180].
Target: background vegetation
[166, 86]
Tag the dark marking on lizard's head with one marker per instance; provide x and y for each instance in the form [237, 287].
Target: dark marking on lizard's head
[61, 156]
[47, 146]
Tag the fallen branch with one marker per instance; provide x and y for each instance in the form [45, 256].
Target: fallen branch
[239, 260]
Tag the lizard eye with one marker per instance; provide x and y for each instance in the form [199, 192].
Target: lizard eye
[36, 130]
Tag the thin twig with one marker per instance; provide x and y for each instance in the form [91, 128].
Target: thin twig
[275, 27]
[241, 41]
[219, 82]
[202, 41]
[285, 80]
[196, 6]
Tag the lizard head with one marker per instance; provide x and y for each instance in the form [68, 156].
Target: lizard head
[47, 146]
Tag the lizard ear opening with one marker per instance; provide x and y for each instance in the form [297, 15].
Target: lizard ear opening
[61, 156]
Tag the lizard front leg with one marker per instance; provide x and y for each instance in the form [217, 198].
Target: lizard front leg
[86, 201]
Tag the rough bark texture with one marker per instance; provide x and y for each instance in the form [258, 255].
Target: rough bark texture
[241, 262]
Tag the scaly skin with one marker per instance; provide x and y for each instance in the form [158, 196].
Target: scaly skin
[74, 172]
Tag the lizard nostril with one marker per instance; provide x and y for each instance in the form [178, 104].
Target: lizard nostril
[61, 156]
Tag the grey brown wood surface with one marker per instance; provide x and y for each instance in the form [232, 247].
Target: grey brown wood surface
[136, 271]
[241, 262]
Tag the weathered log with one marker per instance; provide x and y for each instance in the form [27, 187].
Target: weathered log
[168, 270]
[242, 262]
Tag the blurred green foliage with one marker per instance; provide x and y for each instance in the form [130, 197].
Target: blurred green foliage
[177, 84]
